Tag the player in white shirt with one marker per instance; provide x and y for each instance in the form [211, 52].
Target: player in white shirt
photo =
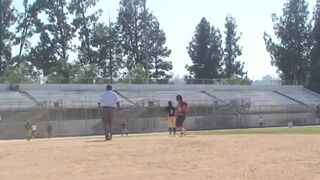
[109, 104]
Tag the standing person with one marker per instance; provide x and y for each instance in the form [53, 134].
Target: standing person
[28, 129]
[318, 112]
[49, 130]
[34, 131]
[124, 129]
[182, 109]
[261, 121]
[109, 104]
[171, 119]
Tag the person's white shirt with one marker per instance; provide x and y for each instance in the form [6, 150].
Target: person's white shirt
[34, 127]
[108, 98]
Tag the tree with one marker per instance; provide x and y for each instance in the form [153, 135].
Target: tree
[109, 53]
[315, 53]
[85, 74]
[158, 51]
[232, 50]
[61, 73]
[137, 75]
[132, 29]
[237, 81]
[7, 20]
[59, 26]
[142, 39]
[84, 24]
[205, 52]
[43, 55]
[215, 54]
[13, 75]
[292, 30]
[25, 29]
[55, 34]
[20, 74]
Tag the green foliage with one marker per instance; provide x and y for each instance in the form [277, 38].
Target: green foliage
[43, 55]
[205, 52]
[142, 39]
[136, 39]
[158, 52]
[84, 24]
[137, 75]
[13, 76]
[109, 53]
[237, 81]
[291, 54]
[277, 130]
[7, 20]
[55, 33]
[24, 30]
[314, 80]
[61, 73]
[132, 25]
[85, 74]
[22, 74]
[232, 50]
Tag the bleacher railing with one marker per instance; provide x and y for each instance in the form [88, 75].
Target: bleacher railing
[242, 104]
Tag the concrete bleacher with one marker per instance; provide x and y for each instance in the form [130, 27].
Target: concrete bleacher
[69, 98]
[302, 95]
[162, 97]
[256, 97]
[76, 119]
[11, 99]
[71, 95]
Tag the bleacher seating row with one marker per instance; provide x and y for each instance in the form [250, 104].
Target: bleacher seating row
[80, 96]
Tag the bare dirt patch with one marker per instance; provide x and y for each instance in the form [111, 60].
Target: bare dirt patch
[263, 157]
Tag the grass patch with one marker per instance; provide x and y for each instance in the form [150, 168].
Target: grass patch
[277, 130]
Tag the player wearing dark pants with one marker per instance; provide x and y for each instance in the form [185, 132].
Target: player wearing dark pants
[182, 109]
[180, 121]
[171, 119]
[28, 129]
[107, 118]
[108, 104]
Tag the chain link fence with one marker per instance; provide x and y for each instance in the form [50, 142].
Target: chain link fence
[70, 118]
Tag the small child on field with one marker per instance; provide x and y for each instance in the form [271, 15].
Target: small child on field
[124, 129]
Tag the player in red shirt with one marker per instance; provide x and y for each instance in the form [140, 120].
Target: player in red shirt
[181, 112]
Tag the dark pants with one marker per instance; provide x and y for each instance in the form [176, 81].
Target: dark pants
[49, 134]
[107, 115]
[180, 121]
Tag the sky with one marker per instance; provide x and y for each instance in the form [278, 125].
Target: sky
[179, 18]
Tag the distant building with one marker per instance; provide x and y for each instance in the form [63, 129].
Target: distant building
[268, 80]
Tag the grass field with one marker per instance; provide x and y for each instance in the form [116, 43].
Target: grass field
[276, 130]
[266, 153]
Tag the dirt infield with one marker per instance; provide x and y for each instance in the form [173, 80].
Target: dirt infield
[194, 157]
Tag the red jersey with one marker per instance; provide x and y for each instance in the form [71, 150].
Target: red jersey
[182, 108]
